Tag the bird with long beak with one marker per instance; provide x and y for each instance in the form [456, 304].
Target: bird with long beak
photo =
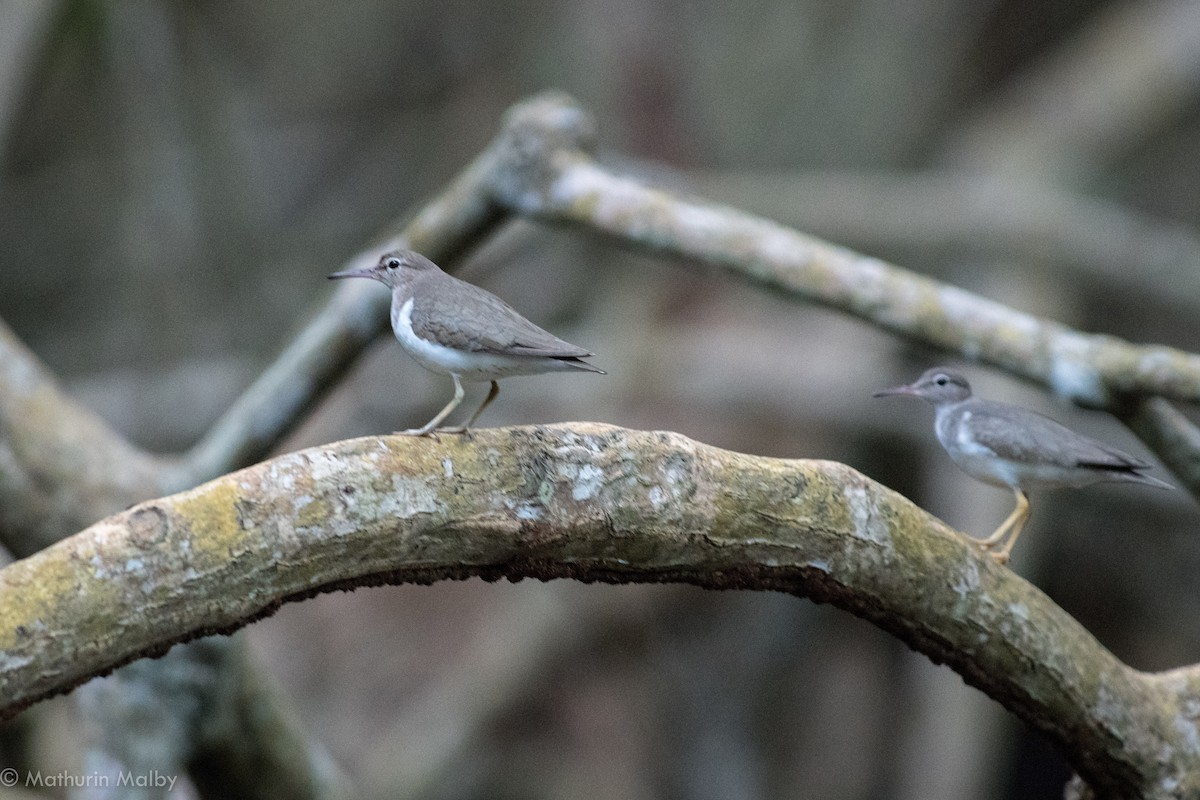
[1009, 446]
[454, 328]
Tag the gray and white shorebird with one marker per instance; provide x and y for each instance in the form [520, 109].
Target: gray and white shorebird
[1010, 446]
[454, 328]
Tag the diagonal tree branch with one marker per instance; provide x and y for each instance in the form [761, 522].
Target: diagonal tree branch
[590, 502]
[61, 466]
[1167, 432]
[961, 212]
[1122, 76]
[1086, 368]
[355, 314]
[550, 178]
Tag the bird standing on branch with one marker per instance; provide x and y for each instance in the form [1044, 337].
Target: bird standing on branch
[457, 329]
[1009, 446]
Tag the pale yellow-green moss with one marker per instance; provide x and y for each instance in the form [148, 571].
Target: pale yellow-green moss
[209, 516]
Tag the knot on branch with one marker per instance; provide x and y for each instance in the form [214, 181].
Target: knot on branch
[537, 135]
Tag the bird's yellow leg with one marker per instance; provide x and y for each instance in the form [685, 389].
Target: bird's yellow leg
[1018, 519]
[1022, 510]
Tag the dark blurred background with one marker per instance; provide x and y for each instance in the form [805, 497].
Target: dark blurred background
[176, 179]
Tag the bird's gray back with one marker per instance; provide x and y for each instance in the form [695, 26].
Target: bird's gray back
[475, 320]
[1029, 437]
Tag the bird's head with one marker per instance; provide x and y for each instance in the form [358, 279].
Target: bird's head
[393, 269]
[938, 385]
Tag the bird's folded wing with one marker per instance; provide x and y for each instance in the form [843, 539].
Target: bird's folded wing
[1034, 438]
[483, 323]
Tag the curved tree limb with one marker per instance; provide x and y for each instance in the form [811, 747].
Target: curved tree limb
[590, 502]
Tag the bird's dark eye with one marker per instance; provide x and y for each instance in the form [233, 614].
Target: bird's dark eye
[941, 380]
[393, 263]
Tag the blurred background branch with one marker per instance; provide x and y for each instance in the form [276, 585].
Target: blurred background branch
[1126, 74]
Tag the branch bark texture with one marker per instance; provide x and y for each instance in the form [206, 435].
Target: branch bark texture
[594, 503]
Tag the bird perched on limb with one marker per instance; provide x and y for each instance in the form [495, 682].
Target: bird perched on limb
[454, 328]
[1006, 445]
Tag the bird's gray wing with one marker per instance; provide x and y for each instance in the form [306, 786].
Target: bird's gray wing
[1030, 437]
[483, 323]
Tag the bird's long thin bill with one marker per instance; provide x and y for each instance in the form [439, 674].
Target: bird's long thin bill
[895, 390]
[350, 273]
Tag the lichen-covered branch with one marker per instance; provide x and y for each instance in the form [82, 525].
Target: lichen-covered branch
[590, 502]
[973, 213]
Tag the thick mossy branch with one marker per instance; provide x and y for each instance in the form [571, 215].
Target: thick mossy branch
[590, 502]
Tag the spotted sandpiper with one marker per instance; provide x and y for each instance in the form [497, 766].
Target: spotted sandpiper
[460, 330]
[1010, 446]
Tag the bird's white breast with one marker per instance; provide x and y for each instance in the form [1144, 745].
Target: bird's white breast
[467, 365]
[977, 460]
